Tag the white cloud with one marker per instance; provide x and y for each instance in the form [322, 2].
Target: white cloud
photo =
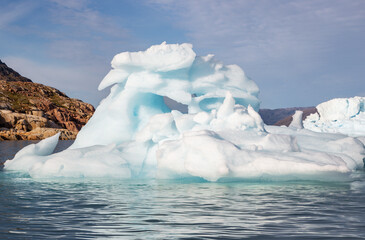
[10, 13]
[79, 4]
[265, 30]
[86, 37]
[79, 16]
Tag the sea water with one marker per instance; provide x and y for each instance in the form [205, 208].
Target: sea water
[179, 209]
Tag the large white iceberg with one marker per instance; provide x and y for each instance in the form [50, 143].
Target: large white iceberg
[339, 115]
[133, 134]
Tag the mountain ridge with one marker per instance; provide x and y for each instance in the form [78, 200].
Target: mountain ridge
[282, 116]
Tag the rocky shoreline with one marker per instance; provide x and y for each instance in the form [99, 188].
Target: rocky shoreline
[20, 126]
[33, 111]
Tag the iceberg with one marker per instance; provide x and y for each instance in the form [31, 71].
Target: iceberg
[339, 115]
[134, 135]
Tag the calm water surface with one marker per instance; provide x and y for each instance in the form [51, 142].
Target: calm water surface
[180, 209]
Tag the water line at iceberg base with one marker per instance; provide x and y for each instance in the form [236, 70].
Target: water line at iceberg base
[133, 134]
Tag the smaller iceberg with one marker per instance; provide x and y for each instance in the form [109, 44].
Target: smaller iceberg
[339, 115]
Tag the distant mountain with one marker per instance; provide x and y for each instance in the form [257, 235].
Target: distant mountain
[287, 120]
[283, 116]
[31, 110]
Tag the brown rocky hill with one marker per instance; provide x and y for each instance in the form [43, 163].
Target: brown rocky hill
[32, 111]
[272, 116]
[287, 120]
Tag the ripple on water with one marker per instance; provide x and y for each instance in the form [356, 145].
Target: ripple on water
[105, 208]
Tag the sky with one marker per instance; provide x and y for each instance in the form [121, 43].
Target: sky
[300, 53]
